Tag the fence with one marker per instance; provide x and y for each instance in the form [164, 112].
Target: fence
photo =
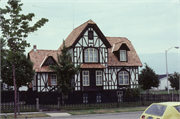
[142, 100]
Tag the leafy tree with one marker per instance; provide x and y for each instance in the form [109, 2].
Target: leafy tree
[24, 71]
[174, 80]
[15, 29]
[3, 54]
[148, 78]
[65, 71]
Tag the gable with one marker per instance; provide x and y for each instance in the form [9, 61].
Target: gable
[49, 61]
[98, 39]
[81, 30]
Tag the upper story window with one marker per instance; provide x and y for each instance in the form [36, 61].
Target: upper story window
[99, 78]
[53, 79]
[123, 55]
[85, 75]
[91, 55]
[123, 78]
[90, 34]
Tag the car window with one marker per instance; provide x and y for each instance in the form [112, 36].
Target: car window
[156, 109]
[177, 108]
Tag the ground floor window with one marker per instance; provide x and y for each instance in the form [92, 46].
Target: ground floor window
[98, 97]
[85, 98]
[120, 96]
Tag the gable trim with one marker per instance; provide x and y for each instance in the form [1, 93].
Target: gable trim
[43, 61]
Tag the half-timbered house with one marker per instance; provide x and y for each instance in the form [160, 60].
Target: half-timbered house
[108, 65]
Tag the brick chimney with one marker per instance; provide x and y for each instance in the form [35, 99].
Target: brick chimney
[34, 48]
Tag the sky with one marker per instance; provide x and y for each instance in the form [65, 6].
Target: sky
[152, 26]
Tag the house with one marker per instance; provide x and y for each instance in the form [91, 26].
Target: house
[108, 65]
[163, 82]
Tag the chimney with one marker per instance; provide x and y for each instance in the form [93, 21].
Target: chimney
[34, 48]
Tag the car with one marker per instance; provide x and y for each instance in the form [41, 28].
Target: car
[163, 110]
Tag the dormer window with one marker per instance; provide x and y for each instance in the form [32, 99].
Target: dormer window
[91, 55]
[123, 55]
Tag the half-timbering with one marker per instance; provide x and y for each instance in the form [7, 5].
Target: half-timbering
[108, 65]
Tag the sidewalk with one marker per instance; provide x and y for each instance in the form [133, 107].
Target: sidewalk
[50, 113]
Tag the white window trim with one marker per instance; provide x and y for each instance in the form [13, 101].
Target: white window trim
[83, 77]
[88, 52]
[122, 58]
[97, 76]
[53, 79]
[123, 78]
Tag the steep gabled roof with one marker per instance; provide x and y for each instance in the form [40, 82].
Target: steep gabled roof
[76, 34]
[133, 59]
[39, 56]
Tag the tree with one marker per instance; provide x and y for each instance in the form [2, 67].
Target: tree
[148, 78]
[65, 71]
[24, 72]
[3, 54]
[15, 29]
[174, 80]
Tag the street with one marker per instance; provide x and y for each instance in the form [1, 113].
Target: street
[123, 115]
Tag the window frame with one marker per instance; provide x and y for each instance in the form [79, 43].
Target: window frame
[123, 75]
[52, 84]
[85, 78]
[123, 57]
[88, 55]
[100, 84]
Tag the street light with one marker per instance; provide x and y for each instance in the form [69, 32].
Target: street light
[167, 66]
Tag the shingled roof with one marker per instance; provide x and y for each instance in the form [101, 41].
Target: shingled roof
[133, 59]
[75, 34]
[39, 56]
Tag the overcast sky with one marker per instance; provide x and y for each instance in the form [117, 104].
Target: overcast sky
[152, 26]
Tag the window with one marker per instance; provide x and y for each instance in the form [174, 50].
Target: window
[120, 96]
[98, 97]
[85, 98]
[123, 56]
[53, 79]
[123, 78]
[98, 78]
[90, 34]
[85, 75]
[91, 55]
[177, 108]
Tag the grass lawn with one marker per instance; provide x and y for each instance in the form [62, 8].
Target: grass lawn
[103, 111]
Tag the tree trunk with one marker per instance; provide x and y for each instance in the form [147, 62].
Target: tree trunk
[15, 95]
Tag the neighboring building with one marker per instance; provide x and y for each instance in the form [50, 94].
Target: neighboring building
[108, 65]
[163, 82]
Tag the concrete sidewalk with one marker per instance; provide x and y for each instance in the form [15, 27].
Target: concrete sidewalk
[50, 113]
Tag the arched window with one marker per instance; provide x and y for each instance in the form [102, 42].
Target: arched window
[91, 55]
[123, 77]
